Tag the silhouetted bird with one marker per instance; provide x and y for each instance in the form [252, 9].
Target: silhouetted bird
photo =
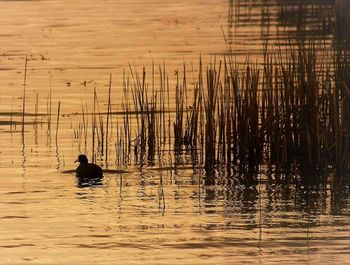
[87, 170]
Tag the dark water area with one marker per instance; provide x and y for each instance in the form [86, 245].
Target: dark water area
[160, 201]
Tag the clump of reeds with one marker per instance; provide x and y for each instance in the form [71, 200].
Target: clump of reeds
[210, 102]
[291, 112]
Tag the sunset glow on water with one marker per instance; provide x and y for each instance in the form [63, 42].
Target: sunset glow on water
[169, 209]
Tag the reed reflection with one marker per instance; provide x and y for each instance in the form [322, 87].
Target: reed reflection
[264, 199]
[298, 20]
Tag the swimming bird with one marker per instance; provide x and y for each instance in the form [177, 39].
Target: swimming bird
[87, 170]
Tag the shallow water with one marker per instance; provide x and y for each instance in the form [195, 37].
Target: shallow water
[47, 217]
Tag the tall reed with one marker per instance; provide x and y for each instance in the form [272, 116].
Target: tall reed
[24, 92]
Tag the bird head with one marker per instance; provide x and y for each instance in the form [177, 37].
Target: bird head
[82, 159]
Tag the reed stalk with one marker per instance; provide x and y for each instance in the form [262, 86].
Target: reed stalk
[24, 92]
[58, 118]
[108, 115]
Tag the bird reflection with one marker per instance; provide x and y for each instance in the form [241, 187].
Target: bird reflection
[83, 182]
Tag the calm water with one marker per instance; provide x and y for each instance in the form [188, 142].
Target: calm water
[47, 217]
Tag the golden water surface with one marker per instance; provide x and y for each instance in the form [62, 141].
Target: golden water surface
[46, 217]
